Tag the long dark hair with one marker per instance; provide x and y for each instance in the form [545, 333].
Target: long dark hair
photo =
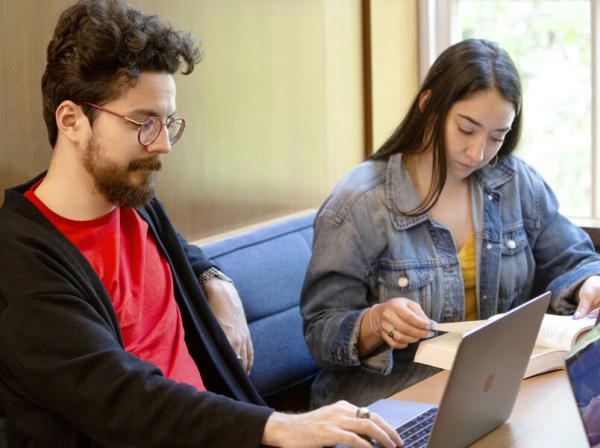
[465, 68]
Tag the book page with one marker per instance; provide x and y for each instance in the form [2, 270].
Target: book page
[557, 336]
[544, 359]
[562, 331]
[439, 351]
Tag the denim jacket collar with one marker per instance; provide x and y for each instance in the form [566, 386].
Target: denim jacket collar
[492, 178]
[399, 188]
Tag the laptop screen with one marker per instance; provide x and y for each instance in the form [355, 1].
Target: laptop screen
[583, 367]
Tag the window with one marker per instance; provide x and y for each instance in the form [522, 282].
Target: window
[551, 42]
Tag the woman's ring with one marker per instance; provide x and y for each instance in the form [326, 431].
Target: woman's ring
[239, 358]
[363, 413]
[391, 334]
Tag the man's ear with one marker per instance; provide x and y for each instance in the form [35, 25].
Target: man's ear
[424, 99]
[71, 122]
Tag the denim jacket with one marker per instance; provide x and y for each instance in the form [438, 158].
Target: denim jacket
[366, 252]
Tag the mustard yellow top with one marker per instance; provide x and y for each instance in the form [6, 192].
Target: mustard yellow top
[467, 259]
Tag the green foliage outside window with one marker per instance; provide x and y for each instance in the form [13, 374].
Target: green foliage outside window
[550, 42]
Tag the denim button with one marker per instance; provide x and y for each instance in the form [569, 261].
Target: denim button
[403, 282]
[489, 246]
[490, 197]
[511, 244]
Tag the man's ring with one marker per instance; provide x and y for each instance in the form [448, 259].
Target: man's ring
[391, 334]
[363, 413]
[239, 358]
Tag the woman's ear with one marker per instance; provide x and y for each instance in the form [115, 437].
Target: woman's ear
[71, 121]
[424, 99]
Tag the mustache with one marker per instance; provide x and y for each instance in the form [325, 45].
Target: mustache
[152, 164]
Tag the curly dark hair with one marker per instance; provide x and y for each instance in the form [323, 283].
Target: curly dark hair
[101, 47]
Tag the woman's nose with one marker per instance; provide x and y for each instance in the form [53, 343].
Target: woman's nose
[476, 149]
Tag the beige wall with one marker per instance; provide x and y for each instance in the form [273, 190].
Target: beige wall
[24, 34]
[275, 108]
[394, 60]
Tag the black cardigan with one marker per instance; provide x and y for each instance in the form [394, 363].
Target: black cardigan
[65, 378]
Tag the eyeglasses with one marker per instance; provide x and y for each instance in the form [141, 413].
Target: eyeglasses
[150, 129]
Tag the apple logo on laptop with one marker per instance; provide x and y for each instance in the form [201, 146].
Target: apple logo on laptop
[489, 382]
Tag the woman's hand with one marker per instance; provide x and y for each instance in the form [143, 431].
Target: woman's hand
[588, 297]
[397, 322]
[402, 322]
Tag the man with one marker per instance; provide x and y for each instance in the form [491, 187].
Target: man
[107, 338]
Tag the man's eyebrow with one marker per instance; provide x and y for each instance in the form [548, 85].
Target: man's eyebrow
[150, 113]
[476, 123]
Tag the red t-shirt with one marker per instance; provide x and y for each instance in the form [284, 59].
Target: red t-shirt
[139, 282]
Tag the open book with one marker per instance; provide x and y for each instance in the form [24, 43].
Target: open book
[557, 336]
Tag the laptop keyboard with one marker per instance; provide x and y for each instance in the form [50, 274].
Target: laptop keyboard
[415, 432]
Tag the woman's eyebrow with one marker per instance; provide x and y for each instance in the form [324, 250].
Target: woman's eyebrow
[476, 123]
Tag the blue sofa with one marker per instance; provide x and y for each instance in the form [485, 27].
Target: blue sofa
[268, 265]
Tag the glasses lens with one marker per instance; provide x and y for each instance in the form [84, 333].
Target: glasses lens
[175, 129]
[150, 130]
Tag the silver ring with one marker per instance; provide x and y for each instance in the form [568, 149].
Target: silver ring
[239, 358]
[363, 413]
[391, 334]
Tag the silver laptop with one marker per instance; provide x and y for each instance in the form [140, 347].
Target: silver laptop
[482, 386]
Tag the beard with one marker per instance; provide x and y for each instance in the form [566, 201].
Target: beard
[132, 186]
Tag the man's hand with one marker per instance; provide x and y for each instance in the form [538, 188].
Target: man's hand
[588, 297]
[336, 424]
[227, 307]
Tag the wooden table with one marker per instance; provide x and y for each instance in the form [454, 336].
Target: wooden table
[545, 414]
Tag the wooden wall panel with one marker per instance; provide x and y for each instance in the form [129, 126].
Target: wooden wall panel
[25, 29]
[394, 56]
[275, 108]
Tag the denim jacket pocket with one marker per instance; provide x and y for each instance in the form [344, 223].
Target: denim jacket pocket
[513, 268]
[412, 283]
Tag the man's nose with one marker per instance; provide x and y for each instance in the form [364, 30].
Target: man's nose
[161, 145]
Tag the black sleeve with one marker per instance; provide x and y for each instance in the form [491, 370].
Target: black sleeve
[196, 257]
[58, 353]
[62, 360]
[155, 213]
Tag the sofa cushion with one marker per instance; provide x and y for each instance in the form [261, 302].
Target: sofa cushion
[268, 266]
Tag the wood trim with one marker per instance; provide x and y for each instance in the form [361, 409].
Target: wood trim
[592, 227]
[367, 76]
[594, 233]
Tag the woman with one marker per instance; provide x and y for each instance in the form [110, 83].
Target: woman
[441, 224]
